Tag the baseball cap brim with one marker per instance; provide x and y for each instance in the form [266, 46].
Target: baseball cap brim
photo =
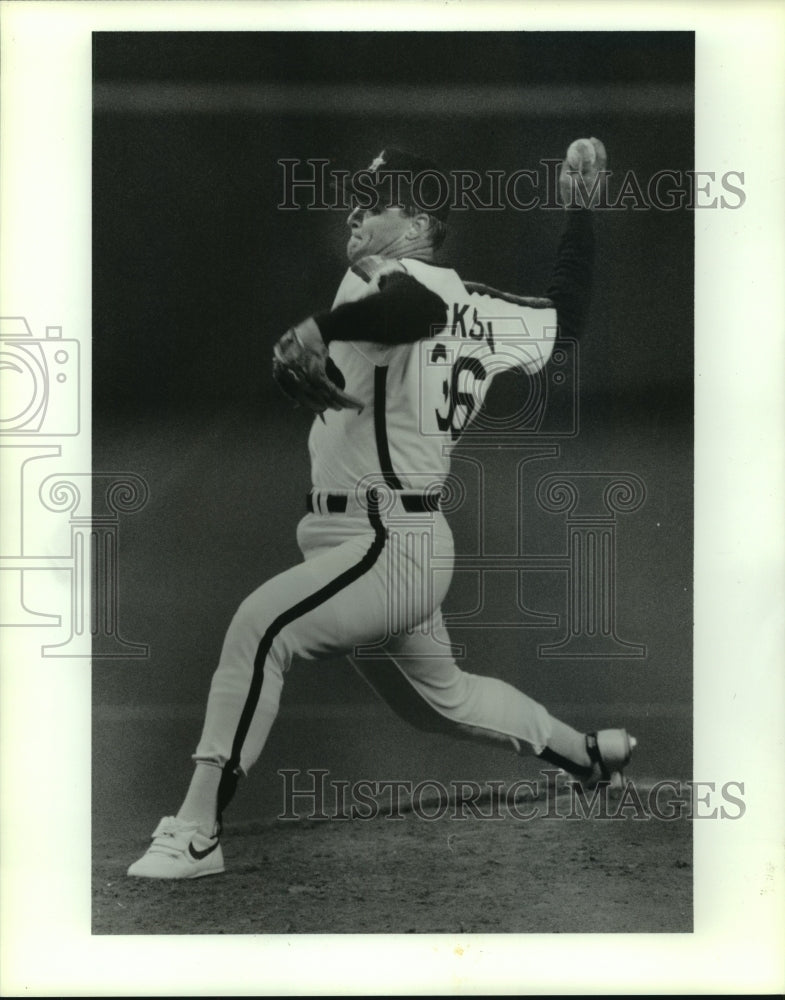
[397, 177]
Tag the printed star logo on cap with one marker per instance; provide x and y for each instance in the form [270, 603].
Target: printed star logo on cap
[378, 162]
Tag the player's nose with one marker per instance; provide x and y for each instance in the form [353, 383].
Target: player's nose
[354, 217]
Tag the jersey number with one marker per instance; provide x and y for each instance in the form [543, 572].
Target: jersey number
[452, 420]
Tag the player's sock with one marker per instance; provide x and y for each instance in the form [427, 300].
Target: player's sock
[566, 748]
[200, 803]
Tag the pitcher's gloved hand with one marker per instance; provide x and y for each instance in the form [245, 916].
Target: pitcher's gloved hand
[304, 370]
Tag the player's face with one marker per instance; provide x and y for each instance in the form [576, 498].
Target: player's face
[378, 231]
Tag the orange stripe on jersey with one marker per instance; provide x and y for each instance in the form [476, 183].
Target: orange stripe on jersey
[532, 302]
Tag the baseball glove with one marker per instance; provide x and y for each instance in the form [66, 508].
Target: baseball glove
[307, 374]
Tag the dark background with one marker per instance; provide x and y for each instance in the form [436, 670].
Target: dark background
[196, 273]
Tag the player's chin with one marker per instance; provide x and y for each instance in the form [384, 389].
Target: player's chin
[355, 251]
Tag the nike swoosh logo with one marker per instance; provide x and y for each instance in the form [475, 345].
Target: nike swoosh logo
[198, 855]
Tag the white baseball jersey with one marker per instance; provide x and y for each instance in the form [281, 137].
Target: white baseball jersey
[419, 397]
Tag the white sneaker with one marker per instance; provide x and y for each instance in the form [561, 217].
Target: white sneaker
[178, 850]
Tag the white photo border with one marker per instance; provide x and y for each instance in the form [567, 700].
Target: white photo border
[47, 947]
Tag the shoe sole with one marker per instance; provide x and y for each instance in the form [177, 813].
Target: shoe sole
[177, 878]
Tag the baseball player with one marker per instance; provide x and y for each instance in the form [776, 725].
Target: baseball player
[394, 372]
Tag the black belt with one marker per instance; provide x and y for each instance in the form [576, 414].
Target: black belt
[412, 503]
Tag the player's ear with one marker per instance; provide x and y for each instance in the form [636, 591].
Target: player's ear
[420, 223]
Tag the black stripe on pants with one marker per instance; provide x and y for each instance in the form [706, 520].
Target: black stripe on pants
[231, 770]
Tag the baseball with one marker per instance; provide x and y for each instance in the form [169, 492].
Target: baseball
[581, 153]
